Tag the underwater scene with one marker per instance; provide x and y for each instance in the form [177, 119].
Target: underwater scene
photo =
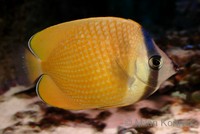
[100, 67]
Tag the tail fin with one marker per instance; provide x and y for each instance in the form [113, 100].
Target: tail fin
[33, 66]
[28, 68]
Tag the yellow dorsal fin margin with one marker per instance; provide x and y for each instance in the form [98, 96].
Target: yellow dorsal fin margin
[50, 93]
[42, 43]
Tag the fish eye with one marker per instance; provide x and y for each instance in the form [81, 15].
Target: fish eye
[155, 62]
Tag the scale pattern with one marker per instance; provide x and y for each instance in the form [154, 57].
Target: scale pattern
[93, 63]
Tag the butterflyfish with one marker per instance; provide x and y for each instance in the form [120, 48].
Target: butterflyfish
[100, 62]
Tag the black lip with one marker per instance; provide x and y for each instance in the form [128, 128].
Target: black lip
[175, 66]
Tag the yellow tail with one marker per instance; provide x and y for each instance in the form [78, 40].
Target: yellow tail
[32, 67]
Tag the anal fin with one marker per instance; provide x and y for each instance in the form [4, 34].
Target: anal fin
[50, 93]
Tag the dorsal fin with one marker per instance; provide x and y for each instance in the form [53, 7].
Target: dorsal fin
[42, 43]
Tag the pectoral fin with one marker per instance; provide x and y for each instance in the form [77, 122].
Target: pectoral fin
[127, 66]
[50, 93]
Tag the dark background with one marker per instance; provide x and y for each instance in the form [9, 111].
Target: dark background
[25, 17]
[20, 19]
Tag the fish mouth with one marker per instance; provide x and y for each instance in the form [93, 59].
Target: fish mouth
[175, 66]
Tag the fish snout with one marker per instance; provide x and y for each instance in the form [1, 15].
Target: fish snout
[176, 67]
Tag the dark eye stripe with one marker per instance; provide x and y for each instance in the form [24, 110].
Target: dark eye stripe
[149, 44]
[150, 89]
[151, 50]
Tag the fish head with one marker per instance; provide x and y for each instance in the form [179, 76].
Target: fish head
[153, 66]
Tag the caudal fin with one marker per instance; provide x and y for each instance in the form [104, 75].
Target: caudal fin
[33, 66]
[28, 67]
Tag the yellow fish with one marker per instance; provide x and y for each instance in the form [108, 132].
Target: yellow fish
[96, 63]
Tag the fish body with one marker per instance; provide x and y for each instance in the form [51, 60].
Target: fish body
[96, 63]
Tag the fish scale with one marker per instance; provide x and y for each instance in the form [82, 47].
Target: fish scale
[115, 90]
